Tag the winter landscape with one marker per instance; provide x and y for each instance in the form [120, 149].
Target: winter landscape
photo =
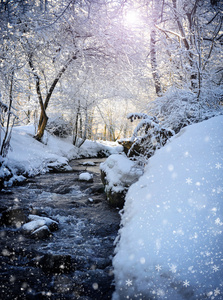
[111, 150]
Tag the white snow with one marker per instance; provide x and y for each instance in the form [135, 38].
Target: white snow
[88, 163]
[33, 225]
[85, 176]
[171, 239]
[37, 222]
[120, 172]
[41, 228]
[30, 157]
[91, 148]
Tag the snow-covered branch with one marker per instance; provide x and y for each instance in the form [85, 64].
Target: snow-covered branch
[148, 135]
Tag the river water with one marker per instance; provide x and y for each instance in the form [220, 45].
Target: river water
[84, 241]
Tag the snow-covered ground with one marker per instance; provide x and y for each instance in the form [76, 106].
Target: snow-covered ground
[30, 157]
[171, 240]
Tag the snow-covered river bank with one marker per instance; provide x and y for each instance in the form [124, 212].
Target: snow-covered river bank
[83, 243]
[170, 242]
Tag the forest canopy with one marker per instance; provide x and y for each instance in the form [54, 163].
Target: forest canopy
[90, 63]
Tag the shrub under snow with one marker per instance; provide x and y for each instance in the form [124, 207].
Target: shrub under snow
[179, 108]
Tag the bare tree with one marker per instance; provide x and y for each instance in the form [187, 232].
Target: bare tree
[153, 48]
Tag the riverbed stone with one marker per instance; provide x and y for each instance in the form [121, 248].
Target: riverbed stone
[59, 166]
[39, 227]
[115, 199]
[41, 233]
[40, 221]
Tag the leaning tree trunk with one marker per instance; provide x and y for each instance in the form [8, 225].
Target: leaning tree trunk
[43, 122]
[43, 117]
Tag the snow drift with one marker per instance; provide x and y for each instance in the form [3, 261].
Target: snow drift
[29, 157]
[171, 239]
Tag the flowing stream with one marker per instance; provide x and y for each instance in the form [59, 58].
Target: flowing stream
[84, 242]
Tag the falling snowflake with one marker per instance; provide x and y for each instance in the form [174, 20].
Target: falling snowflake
[189, 180]
[218, 221]
[173, 268]
[209, 294]
[216, 292]
[158, 268]
[186, 154]
[214, 211]
[218, 166]
[219, 190]
[160, 292]
[215, 268]
[128, 282]
[186, 283]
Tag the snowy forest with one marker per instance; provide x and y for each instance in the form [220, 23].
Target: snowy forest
[111, 149]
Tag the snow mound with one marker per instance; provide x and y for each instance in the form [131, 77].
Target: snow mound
[99, 148]
[171, 239]
[85, 176]
[120, 172]
[30, 157]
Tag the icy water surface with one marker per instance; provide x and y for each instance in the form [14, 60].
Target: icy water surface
[83, 244]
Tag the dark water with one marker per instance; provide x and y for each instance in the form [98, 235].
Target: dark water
[84, 241]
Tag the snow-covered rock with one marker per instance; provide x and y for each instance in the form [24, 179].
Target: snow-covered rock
[171, 238]
[39, 227]
[85, 176]
[99, 148]
[118, 173]
[60, 165]
[88, 163]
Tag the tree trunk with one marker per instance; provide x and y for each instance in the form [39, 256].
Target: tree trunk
[41, 128]
[193, 76]
[81, 127]
[105, 132]
[153, 60]
[43, 117]
[75, 129]
[153, 51]
[7, 136]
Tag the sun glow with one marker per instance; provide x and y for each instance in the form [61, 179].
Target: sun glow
[132, 18]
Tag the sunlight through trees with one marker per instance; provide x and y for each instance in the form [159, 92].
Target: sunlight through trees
[70, 57]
